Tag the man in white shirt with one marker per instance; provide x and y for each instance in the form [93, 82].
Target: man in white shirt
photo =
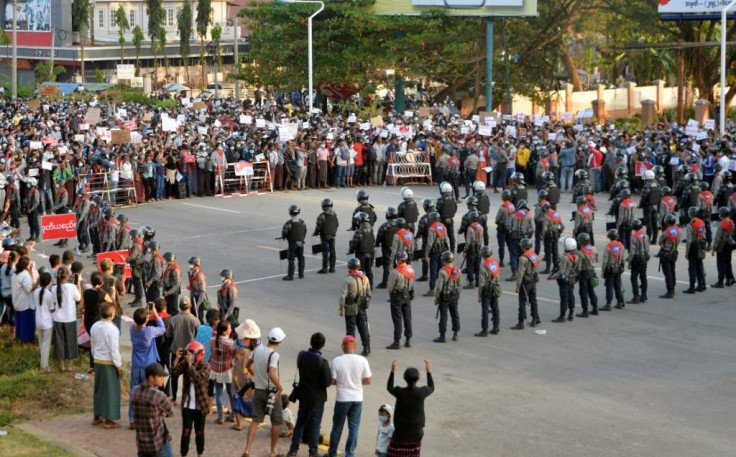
[350, 372]
[105, 344]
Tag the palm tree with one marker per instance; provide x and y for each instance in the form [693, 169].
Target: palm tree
[162, 45]
[138, 38]
[204, 19]
[184, 29]
[80, 19]
[155, 12]
[121, 19]
[46, 72]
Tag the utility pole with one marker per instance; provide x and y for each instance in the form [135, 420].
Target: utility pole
[14, 71]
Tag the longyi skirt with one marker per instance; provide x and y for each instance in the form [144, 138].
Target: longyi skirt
[65, 340]
[107, 391]
[25, 325]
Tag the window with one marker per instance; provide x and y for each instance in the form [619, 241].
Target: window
[113, 21]
[101, 18]
[131, 18]
[170, 19]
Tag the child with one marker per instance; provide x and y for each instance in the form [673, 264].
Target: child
[288, 417]
[385, 430]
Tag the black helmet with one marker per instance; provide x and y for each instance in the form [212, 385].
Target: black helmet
[362, 195]
[670, 219]
[667, 190]
[326, 203]
[690, 177]
[474, 216]
[226, 273]
[612, 234]
[703, 186]
[433, 217]
[147, 232]
[471, 201]
[587, 190]
[621, 172]
[622, 184]
[518, 177]
[581, 200]
[133, 234]
[486, 251]
[391, 213]
[353, 263]
[169, 257]
[122, 218]
[548, 176]
[109, 212]
[428, 205]
[194, 260]
[692, 211]
[546, 206]
[525, 244]
[360, 216]
[542, 194]
[506, 195]
[625, 193]
[294, 210]
[726, 175]
[448, 257]
[724, 212]
[583, 239]
[581, 174]
[522, 204]
[400, 222]
[683, 169]
[636, 224]
[658, 170]
[153, 245]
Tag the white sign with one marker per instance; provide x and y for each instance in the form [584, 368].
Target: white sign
[285, 134]
[136, 81]
[243, 119]
[36, 145]
[136, 138]
[352, 119]
[169, 125]
[710, 124]
[104, 134]
[691, 6]
[701, 136]
[126, 71]
[631, 150]
[260, 123]
[691, 130]
[484, 130]
[365, 126]
[202, 130]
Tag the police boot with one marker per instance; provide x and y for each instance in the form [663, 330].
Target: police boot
[643, 297]
[594, 311]
[63, 243]
[607, 307]
[519, 326]
[569, 314]
[635, 300]
[701, 288]
[730, 282]
[429, 293]
[500, 263]
[440, 339]
[689, 290]
[536, 321]
[546, 270]
[483, 332]
[290, 275]
[332, 268]
[512, 277]
[301, 272]
[583, 314]
[669, 294]
[495, 331]
[620, 305]
[407, 343]
[560, 319]
[424, 278]
[454, 336]
[381, 286]
[366, 350]
[718, 285]
[394, 345]
[323, 271]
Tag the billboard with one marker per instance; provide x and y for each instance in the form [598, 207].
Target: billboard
[456, 7]
[33, 22]
[691, 6]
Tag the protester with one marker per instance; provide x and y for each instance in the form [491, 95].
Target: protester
[143, 338]
[249, 338]
[180, 331]
[45, 307]
[409, 411]
[194, 407]
[67, 297]
[221, 365]
[23, 285]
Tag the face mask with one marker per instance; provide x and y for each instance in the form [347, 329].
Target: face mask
[383, 418]
[191, 267]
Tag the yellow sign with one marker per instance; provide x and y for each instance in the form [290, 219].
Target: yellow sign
[490, 8]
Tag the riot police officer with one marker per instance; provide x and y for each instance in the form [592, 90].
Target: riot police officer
[668, 205]
[484, 207]
[582, 181]
[362, 245]
[294, 231]
[612, 265]
[621, 182]
[122, 237]
[135, 254]
[446, 296]
[588, 279]
[171, 283]
[153, 268]
[553, 192]
[401, 292]
[626, 214]
[526, 284]
[552, 228]
[689, 197]
[489, 291]
[408, 208]
[566, 273]
[505, 212]
[363, 207]
[471, 252]
[695, 247]
[326, 228]
[638, 259]
[539, 214]
[616, 201]
[518, 189]
[705, 207]
[472, 203]
[447, 207]
[384, 240]
[649, 202]
[437, 243]
[520, 225]
[403, 240]
[723, 244]
[422, 233]
[725, 190]
[354, 300]
[668, 241]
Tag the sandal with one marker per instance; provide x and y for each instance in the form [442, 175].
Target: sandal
[219, 421]
[236, 427]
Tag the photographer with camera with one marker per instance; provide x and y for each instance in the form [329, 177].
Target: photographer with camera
[189, 363]
[264, 363]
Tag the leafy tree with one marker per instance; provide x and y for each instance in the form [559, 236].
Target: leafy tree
[138, 38]
[155, 12]
[80, 21]
[121, 20]
[6, 41]
[204, 19]
[162, 45]
[46, 72]
[184, 30]
[216, 34]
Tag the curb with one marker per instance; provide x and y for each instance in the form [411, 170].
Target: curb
[38, 433]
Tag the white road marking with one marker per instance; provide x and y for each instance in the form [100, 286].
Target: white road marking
[212, 208]
[339, 264]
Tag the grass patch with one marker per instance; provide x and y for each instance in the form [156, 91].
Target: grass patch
[20, 444]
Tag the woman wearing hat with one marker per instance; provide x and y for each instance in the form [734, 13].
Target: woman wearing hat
[249, 336]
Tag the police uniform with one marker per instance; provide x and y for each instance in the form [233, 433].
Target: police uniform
[626, 214]
[452, 176]
[520, 225]
[638, 259]
[668, 241]
[577, 189]
[583, 222]
[473, 240]
[503, 214]
[14, 202]
[33, 200]
[667, 205]
[364, 207]
[526, 285]
[723, 245]
[384, 239]
[488, 294]
[153, 268]
[447, 207]
[732, 205]
[588, 279]
[567, 273]
[354, 299]
[81, 209]
[539, 215]
[95, 219]
[122, 237]
[552, 228]
[612, 266]
[650, 201]
[326, 228]
[294, 231]
[446, 296]
[484, 207]
[226, 296]
[108, 231]
[421, 234]
[689, 198]
[171, 285]
[410, 212]
[553, 194]
[401, 290]
[695, 246]
[403, 240]
[705, 205]
[437, 243]
[518, 192]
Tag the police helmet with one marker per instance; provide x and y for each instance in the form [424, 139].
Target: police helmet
[407, 194]
[724, 212]
[10, 179]
[581, 200]
[474, 216]
[362, 195]
[625, 193]
[683, 169]
[471, 201]
[194, 260]
[522, 204]
[326, 203]
[612, 234]
[692, 211]
[479, 186]
[294, 210]
[109, 212]
[8, 243]
[122, 218]
[448, 257]
[658, 170]
[726, 176]
[587, 190]
[445, 188]
[353, 263]
[570, 244]
[147, 232]
[486, 251]
[401, 257]
[226, 273]
[391, 213]
[542, 194]
[400, 222]
[636, 224]
[518, 177]
[428, 205]
[546, 206]
[703, 186]
[525, 244]
[667, 190]
[649, 175]
[153, 245]
[621, 172]
[622, 184]
[690, 177]
[97, 199]
[506, 195]
[583, 238]
[670, 219]
[134, 234]
[360, 216]
[169, 257]
[581, 174]
[548, 176]
[433, 217]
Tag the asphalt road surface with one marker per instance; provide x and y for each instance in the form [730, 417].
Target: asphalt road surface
[654, 379]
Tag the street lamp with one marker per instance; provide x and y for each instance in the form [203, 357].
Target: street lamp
[309, 39]
[232, 23]
[212, 48]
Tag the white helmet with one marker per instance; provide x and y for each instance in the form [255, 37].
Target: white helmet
[649, 175]
[406, 193]
[570, 244]
[479, 186]
[445, 188]
[31, 181]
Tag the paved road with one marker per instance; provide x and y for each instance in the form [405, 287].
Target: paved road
[655, 379]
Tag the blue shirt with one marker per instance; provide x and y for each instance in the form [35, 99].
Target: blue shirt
[144, 349]
[204, 333]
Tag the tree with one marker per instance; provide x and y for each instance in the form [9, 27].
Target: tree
[138, 38]
[155, 12]
[184, 30]
[162, 45]
[204, 19]
[46, 72]
[121, 19]
[6, 41]
[216, 34]
[80, 20]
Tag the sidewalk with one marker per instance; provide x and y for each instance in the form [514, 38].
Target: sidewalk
[75, 434]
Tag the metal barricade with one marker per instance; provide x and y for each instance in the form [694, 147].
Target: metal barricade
[117, 193]
[411, 167]
[244, 178]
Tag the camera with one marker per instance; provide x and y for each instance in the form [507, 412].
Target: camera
[271, 400]
[249, 384]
